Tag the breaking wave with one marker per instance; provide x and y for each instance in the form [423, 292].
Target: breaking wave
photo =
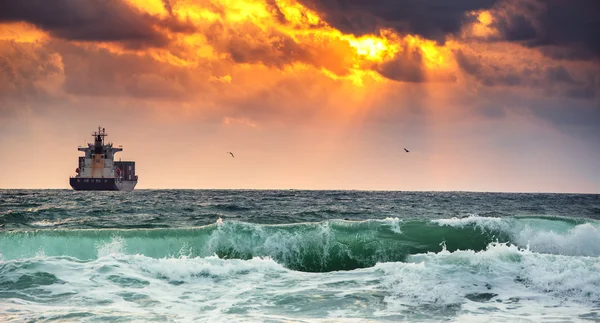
[314, 247]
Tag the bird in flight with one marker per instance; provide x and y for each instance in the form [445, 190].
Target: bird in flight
[406, 150]
[229, 152]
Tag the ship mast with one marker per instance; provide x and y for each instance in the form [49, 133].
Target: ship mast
[99, 140]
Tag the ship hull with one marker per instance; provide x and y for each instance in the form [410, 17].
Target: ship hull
[101, 184]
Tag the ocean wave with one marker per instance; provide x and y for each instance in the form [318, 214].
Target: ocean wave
[314, 247]
[501, 282]
[442, 279]
[554, 235]
[502, 273]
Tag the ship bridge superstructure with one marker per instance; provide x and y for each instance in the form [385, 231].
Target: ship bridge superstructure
[98, 161]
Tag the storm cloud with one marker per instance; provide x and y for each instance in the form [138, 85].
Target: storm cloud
[433, 19]
[560, 29]
[93, 20]
[554, 78]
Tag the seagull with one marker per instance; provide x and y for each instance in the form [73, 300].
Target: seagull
[229, 152]
[406, 150]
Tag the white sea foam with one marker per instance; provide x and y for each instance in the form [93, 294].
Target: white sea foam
[544, 235]
[484, 223]
[509, 280]
[187, 269]
[44, 223]
[115, 246]
[581, 240]
[394, 224]
[502, 283]
[49, 223]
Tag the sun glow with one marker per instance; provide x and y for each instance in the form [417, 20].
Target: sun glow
[283, 29]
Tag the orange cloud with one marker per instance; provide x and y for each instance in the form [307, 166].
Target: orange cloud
[280, 33]
[22, 32]
[220, 48]
[482, 27]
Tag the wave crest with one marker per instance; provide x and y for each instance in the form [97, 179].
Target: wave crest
[313, 247]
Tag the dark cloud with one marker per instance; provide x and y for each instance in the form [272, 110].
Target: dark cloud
[251, 45]
[168, 6]
[277, 52]
[433, 19]
[276, 11]
[560, 80]
[568, 113]
[468, 62]
[561, 29]
[554, 80]
[559, 74]
[580, 92]
[572, 116]
[404, 69]
[489, 74]
[93, 20]
[567, 53]
[91, 71]
[408, 66]
[505, 79]
[516, 28]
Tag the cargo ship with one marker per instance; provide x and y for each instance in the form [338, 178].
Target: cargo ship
[98, 171]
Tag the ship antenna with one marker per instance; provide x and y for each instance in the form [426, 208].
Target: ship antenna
[99, 136]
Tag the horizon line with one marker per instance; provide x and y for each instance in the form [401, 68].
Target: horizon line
[324, 189]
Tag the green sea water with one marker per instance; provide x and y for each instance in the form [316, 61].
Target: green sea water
[298, 256]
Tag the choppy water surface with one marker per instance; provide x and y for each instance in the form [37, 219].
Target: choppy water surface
[298, 256]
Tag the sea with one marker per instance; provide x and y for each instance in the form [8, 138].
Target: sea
[298, 256]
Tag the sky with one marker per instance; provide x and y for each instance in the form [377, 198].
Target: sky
[487, 95]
